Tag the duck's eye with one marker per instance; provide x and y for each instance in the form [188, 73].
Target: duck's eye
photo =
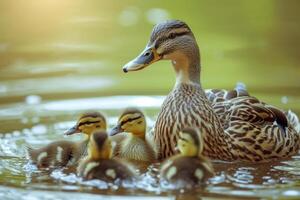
[172, 35]
[147, 53]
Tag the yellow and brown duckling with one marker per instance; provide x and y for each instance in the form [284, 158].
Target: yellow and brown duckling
[99, 163]
[188, 168]
[67, 153]
[134, 146]
[235, 129]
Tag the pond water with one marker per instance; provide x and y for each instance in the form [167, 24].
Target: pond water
[60, 58]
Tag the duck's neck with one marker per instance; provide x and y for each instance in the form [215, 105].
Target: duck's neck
[136, 136]
[187, 65]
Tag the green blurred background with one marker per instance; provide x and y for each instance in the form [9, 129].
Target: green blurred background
[62, 49]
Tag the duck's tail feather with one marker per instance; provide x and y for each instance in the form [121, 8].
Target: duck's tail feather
[240, 86]
[294, 120]
[241, 89]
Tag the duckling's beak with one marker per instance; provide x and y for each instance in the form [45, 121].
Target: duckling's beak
[147, 57]
[72, 130]
[115, 130]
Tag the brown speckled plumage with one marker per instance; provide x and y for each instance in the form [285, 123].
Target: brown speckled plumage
[235, 126]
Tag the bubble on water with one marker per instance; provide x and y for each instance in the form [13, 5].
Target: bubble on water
[29, 167]
[290, 193]
[218, 179]
[8, 135]
[33, 99]
[284, 99]
[157, 15]
[96, 183]
[69, 178]
[26, 132]
[29, 197]
[16, 133]
[39, 129]
[129, 16]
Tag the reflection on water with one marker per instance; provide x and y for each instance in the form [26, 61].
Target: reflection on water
[58, 57]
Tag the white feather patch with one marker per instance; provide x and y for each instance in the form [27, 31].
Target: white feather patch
[59, 153]
[89, 167]
[199, 174]
[111, 173]
[41, 156]
[171, 172]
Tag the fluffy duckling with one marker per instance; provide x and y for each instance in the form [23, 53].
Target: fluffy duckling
[65, 153]
[134, 147]
[99, 163]
[188, 168]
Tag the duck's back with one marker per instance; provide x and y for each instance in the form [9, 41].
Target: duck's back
[108, 170]
[57, 154]
[186, 170]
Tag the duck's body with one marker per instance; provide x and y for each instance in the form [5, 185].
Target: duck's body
[108, 170]
[99, 163]
[134, 146]
[188, 168]
[67, 153]
[240, 128]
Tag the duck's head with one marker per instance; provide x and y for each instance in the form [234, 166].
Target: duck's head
[133, 121]
[189, 143]
[100, 146]
[88, 123]
[170, 40]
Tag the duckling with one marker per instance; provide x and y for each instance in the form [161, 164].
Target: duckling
[188, 168]
[99, 163]
[134, 146]
[65, 153]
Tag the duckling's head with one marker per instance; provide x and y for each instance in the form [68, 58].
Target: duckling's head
[189, 143]
[170, 40]
[88, 123]
[99, 146]
[133, 121]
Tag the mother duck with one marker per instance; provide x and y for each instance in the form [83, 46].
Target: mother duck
[240, 128]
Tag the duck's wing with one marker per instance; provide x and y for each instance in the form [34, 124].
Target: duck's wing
[257, 128]
[218, 95]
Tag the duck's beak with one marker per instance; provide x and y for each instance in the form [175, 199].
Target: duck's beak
[72, 130]
[147, 57]
[115, 130]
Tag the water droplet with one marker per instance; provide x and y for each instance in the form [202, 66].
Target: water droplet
[33, 99]
[39, 129]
